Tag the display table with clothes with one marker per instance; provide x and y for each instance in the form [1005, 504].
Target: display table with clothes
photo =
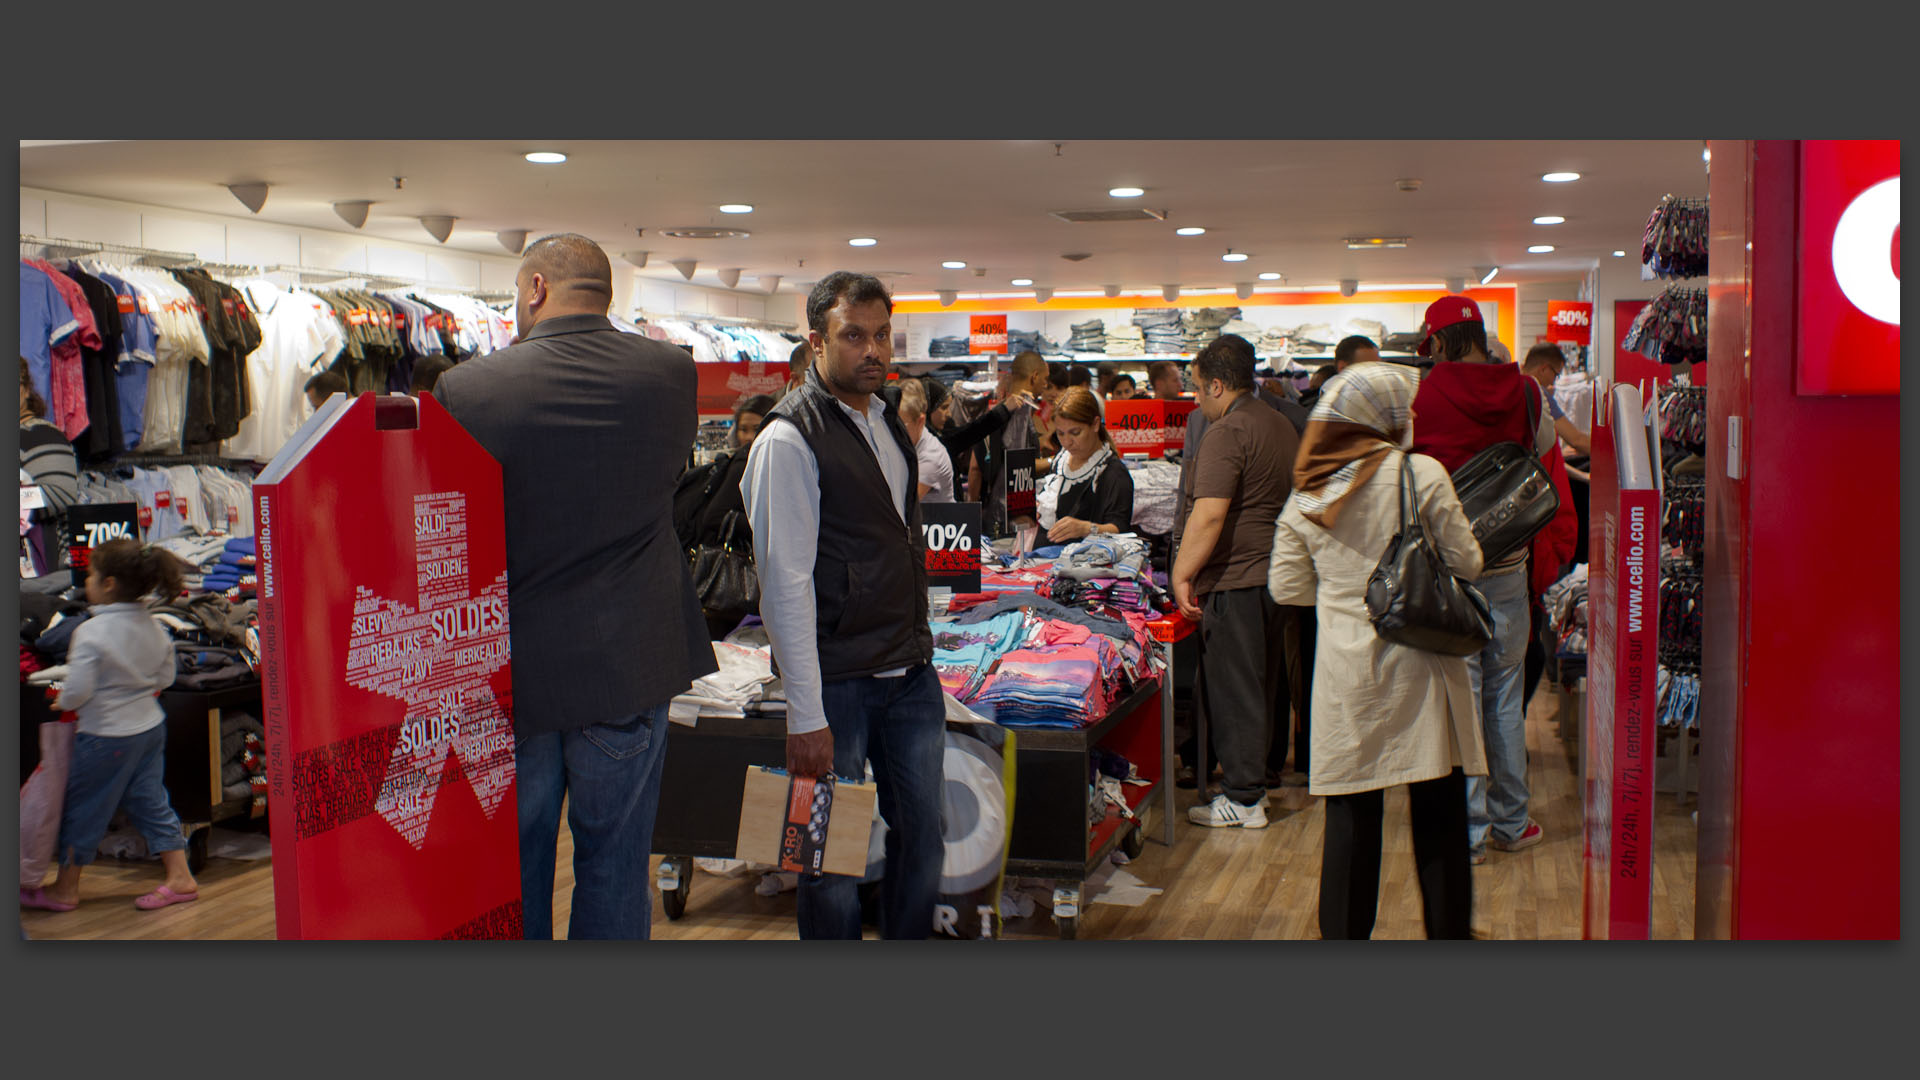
[1082, 681]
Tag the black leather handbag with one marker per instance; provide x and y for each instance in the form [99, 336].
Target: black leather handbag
[1414, 599]
[724, 576]
[1507, 495]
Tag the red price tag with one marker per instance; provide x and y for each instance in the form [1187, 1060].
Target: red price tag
[163, 499]
[233, 515]
[146, 517]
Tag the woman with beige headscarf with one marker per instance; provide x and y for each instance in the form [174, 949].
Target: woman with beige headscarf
[1383, 714]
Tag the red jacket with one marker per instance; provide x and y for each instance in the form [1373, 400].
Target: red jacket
[1554, 545]
[1463, 408]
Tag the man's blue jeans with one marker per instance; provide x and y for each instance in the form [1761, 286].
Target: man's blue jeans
[899, 725]
[1497, 802]
[609, 777]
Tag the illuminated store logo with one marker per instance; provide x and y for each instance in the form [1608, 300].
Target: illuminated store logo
[1865, 259]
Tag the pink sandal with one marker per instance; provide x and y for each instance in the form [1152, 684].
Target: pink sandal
[163, 897]
[37, 898]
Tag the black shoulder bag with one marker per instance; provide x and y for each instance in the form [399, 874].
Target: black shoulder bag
[1414, 599]
[1507, 494]
[723, 574]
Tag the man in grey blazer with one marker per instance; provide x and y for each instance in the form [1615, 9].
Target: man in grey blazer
[590, 427]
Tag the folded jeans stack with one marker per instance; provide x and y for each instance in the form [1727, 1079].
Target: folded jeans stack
[1089, 336]
[1202, 326]
[1019, 341]
[1162, 329]
[948, 346]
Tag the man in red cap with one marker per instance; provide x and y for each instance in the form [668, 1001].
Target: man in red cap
[1468, 402]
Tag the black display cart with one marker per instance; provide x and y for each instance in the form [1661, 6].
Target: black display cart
[193, 763]
[1054, 837]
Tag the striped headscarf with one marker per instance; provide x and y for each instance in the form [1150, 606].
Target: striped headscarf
[1362, 413]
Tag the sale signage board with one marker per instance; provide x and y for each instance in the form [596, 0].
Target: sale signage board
[1020, 483]
[91, 524]
[987, 334]
[388, 689]
[1622, 674]
[952, 532]
[725, 385]
[1148, 427]
[1848, 336]
[1570, 321]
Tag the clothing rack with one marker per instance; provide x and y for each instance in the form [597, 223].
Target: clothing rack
[161, 461]
[56, 247]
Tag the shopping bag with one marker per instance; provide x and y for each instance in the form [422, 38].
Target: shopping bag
[42, 798]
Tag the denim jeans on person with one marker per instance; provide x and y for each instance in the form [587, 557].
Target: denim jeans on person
[609, 777]
[900, 726]
[1497, 802]
[117, 773]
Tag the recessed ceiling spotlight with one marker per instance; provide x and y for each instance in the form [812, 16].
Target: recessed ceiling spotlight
[1191, 230]
[1126, 192]
[1269, 276]
[954, 264]
[1540, 249]
[862, 241]
[1023, 281]
[1561, 177]
[1619, 254]
[546, 157]
[736, 208]
[1233, 256]
[1550, 219]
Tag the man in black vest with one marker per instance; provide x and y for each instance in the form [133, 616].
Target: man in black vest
[833, 477]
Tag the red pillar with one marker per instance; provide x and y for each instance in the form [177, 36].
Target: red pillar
[1800, 739]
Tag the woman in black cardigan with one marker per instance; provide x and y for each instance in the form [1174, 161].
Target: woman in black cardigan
[1096, 492]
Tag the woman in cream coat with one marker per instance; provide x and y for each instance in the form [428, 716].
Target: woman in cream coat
[1383, 714]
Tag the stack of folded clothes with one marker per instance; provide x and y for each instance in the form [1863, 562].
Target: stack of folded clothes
[948, 346]
[234, 575]
[1019, 341]
[1089, 336]
[1162, 328]
[1201, 326]
[1126, 341]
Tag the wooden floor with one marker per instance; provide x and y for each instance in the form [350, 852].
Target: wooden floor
[1224, 884]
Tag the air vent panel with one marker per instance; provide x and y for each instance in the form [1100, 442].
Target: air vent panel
[692, 232]
[1131, 213]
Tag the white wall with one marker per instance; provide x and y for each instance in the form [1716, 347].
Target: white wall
[1532, 320]
[1619, 280]
[226, 239]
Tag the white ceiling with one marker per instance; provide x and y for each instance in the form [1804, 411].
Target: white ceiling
[1286, 204]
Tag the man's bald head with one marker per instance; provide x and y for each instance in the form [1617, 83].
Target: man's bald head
[563, 274]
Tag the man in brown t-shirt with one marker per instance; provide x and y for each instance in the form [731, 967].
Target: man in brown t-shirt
[1242, 475]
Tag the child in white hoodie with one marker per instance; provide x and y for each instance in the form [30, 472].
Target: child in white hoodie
[118, 662]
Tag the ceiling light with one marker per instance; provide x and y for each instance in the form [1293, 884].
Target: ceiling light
[1349, 287]
[1233, 256]
[1487, 273]
[1707, 154]
[1456, 286]
[1269, 276]
[1043, 295]
[1375, 243]
[947, 297]
[1619, 254]
[954, 264]
[736, 208]
[1550, 219]
[1191, 230]
[1540, 249]
[1560, 177]
[862, 241]
[1127, 192]
[1170, 292]
[1023, 281]
[546, 157]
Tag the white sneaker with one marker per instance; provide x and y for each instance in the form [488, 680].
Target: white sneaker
[1224, 813]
